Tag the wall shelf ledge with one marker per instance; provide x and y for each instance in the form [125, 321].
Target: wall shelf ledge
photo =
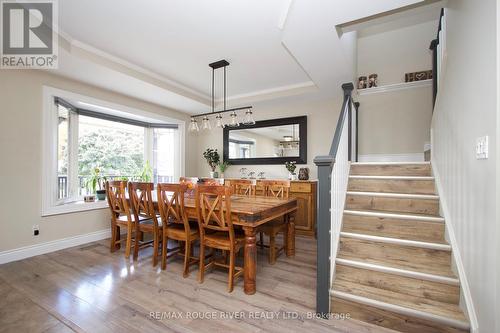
[395, 87]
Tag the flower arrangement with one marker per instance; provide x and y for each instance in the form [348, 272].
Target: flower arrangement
[96, 180]
[291, 166]
[146, 174]
[223, 166]
[212, 157]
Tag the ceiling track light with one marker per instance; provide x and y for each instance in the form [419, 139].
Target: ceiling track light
[219, 123]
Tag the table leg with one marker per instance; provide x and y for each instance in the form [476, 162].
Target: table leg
[250, 261]
[290, 243]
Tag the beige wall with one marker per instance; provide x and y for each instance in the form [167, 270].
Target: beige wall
[21, 151]
[321, 120]
[463, 113]
[393, 53]
[395, 122]
[264, 145]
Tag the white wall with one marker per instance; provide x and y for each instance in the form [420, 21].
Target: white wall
[393, 53]
[21, 151]
[395, 122]
[466, 108]
[321, 121]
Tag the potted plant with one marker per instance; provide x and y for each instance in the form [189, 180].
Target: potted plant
[291, 166]
[146, 174]
[213, 159]
[223, 167]
[97, 180]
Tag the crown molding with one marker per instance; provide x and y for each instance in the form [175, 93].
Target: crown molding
[99, 57]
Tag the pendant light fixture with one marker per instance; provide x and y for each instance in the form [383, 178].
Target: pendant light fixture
[248, 120]
[193, 126]
[234, 120]
[219, 123]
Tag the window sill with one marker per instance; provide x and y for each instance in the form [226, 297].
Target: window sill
[74, 207]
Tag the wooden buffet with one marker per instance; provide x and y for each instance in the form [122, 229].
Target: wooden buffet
[305, 193]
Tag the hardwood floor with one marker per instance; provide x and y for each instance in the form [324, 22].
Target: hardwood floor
[88, 289]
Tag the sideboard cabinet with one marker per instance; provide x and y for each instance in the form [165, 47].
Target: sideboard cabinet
[305, 193]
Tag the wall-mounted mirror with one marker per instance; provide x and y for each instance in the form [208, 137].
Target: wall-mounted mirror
[274, 141]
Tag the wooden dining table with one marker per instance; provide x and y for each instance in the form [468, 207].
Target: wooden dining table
[249, 213]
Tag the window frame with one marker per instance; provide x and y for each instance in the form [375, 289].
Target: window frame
[50, 204]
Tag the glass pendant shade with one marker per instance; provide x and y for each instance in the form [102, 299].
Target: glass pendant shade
[248, 120]
[205, 124]
[219, 123]
[193, 126]
[234, 120]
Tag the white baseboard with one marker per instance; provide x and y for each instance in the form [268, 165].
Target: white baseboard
[464, 285]
[414, 157]
[56, 245]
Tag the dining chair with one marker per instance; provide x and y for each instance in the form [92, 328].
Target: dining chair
[175, 223]
[213, 207]
[141, 198]
[276, 189]
[121, 215]
[244, 187]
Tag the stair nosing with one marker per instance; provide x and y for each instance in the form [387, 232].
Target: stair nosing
[394, 195]
[405, 311]
[397, 241]
[390, 163]
[392, 177]
[426, 218]
[399, 271]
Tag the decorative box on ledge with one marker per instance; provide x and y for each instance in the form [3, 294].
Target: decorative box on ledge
[305, 193]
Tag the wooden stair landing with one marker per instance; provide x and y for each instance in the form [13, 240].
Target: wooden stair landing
[393, 266]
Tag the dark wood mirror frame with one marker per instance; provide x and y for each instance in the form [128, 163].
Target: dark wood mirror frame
[301, 159]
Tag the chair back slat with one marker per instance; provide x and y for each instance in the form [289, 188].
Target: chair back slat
[116, 192]
[171, 204]
[243, 187]
[141, 198]
[213, 206]
[276, 188]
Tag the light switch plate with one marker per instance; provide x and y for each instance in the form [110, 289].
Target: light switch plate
[482, 148]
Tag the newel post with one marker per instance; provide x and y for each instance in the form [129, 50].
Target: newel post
[323, 224]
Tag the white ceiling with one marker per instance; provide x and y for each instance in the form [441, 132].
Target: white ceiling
[159, 50]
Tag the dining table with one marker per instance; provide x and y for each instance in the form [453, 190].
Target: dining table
[250, 212]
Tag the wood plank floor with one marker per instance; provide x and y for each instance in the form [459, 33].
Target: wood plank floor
[88, 289]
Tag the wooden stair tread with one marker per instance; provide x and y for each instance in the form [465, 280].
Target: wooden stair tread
[417, 230]
[391, 169]
[405, 285]
[447, 310]
[410, 186]
[411, 258]
[389, 319]
[417, 215]
[391, 204]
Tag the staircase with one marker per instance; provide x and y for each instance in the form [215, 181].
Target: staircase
[393, 267]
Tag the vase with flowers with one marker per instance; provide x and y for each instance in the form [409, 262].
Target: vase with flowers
[291, 166]
[212, 157]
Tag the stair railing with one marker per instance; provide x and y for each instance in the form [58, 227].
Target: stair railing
[333, 175]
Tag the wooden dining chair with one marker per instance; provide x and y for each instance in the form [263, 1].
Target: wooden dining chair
[141, 198]
[276, 189]
[175, 223]
[121, 215]
[244, 187]
[213, 207]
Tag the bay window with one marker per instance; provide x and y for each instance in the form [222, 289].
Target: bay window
[83, 139]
